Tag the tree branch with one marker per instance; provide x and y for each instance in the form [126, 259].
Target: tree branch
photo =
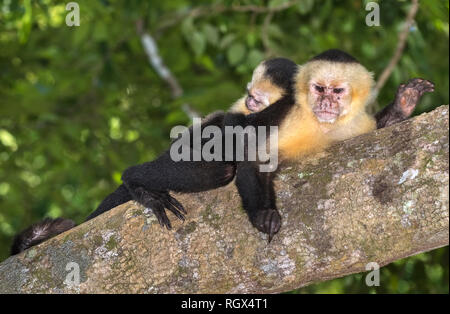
[151, 50]
[399, 49]
[265, 35]
[375, 198]
[219, 9]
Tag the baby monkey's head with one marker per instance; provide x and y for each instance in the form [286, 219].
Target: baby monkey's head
[271, 80]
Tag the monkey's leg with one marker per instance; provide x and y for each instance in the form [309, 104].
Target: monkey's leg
[150, 183]
[157, 201]
[119, 196]
[164, 174]
[258, 198]
[192, 177]
[406, 100]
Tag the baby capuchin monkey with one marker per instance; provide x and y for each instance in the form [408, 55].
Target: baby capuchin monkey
[271, 80]
[314, 105]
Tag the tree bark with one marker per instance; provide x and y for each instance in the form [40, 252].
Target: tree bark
[375, 198]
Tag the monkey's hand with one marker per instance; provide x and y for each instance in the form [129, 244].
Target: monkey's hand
[158, 201]
[267, 221]
[408, 95]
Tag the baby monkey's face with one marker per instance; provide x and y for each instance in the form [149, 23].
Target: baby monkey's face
[257, 99]
[261, 92]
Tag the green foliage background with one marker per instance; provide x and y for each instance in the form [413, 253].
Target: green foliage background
[80, 104]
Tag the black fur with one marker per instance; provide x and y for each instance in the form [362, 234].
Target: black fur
[120, 196]
[255, 187]
[281, 71]
[40, 232]
[335, 55]
[163, 174]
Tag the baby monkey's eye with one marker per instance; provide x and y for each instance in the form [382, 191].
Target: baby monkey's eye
[250, 97]
[338, 90]
[318, 88]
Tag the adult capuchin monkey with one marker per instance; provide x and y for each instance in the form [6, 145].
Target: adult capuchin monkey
[332, 91]
[275, 96]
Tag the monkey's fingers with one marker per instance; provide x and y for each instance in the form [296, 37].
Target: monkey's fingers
[153, 200]
[170, 203]
[267, 221]
[421, 85]
[177, 204]
[160, 214]
[408, 95]
[174, 210]
[273, 223]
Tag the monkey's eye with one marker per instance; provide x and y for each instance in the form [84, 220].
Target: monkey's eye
[255, 99]
[338, 90]
[318, 88]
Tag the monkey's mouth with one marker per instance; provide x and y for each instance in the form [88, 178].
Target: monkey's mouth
[326, 115]
[253, 107]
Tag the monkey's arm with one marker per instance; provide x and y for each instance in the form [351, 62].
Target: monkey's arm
[258, 197]
[406, 100]
[255, 187]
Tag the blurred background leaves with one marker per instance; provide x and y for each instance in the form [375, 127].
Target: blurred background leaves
[80, 104]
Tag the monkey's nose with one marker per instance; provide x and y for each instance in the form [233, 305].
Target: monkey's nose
[325, 103]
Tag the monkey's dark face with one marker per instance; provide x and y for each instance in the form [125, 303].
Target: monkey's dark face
[329, 100]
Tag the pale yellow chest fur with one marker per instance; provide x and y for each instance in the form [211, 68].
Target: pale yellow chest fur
[301, 133]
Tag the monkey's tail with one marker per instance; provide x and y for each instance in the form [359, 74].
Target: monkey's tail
[39, 232]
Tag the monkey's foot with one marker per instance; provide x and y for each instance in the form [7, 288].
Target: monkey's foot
[158, 202]
[408, 95]
[267, 221]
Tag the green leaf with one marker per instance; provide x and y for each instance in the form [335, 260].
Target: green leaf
[227, 40]
[187, 28]
[206, 62]
[211, 34]
[275, 31]
[252, 38]
[197, 43]
[235, 53]
[176, 117]
[305, 6]
[254, 57]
